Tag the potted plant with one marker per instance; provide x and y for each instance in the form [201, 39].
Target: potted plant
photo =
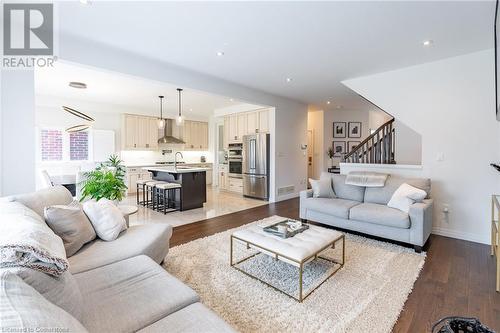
[330, 153]
[106, 181]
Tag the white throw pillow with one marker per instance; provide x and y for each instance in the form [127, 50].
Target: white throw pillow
[106, 218]
[322, 188]
[405, 196]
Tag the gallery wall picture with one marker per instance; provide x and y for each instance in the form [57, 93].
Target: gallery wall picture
[338, 148]
[354, 129]
[351, 145]
[339, 129]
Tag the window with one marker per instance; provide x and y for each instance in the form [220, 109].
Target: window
[58, 145]
[79, 146]
[51, 145]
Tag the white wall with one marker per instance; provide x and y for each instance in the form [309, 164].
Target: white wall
[17, 133]
[451, 103]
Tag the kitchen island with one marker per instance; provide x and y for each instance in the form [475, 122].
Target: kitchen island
[192, 180]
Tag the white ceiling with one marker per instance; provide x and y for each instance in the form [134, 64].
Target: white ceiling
[318, 44]
[114, 92]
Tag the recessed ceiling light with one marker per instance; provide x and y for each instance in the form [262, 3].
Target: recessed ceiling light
[220, 53]
[78, 85]
[288, 79]
[428, 42]
[191, 109]
[85, 2]
[328, 102]
[231, 100]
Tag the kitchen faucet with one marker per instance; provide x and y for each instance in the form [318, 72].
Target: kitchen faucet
[175, 159]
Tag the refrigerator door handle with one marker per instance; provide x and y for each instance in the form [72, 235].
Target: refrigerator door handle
[252, 147]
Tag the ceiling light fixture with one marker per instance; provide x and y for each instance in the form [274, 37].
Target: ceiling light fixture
[78, 113]
[428, 42]
[85, 2]
[328, 102]
[77, 128]
[180, 119]
[288, 79]
[220, 53]
[339, 107]
[161, 121]
[77, 85]
[231, 100]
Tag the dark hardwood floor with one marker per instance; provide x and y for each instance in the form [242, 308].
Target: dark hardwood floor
[458, 277]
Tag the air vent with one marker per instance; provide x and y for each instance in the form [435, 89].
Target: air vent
[286, 190]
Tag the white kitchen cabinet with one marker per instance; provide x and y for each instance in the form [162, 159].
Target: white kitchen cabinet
[226, 133]
[223, 177]
[195, 135]
[236, 185]
[263, 117]
[233, 128]
[252, 122]
[242, 126]
[139, 132]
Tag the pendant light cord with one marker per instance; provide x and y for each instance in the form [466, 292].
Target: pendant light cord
[179, 90]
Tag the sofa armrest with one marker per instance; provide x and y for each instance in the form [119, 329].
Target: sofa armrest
[303, 196]
[421, 221]
[306, 194]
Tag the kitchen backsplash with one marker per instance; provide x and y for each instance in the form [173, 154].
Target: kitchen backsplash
[136, 157]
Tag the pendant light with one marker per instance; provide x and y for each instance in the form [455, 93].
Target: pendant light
[180, 119]
[161, 121]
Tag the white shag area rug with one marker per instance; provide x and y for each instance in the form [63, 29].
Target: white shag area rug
[366, 295]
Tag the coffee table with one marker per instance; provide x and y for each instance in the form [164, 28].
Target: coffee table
[297, 251]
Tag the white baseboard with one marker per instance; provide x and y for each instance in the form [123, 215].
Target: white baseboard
[471, 237]
[287, 196]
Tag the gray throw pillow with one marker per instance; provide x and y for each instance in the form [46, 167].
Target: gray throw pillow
[23, 309]
[322, 188]
[71, 224]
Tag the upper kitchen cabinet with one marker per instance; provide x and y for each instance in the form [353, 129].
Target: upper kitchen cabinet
[237, 125]
[263, 120]
[195, 135]
[139, 132]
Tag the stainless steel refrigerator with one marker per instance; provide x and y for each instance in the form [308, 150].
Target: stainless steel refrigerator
[256, 165]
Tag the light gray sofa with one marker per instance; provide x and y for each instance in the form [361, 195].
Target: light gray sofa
[365, 210]
[114, 286]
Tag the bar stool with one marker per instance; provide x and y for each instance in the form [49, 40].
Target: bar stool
[150, 188]
[140, 187]
[165, 194]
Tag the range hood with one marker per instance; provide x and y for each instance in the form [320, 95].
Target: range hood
[167, 134]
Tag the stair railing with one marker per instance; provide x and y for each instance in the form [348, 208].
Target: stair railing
[378, 148]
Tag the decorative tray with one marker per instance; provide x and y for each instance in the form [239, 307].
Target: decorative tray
[293, 227]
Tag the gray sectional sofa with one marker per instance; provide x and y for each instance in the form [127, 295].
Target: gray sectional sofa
[115, 286]
[365, 210]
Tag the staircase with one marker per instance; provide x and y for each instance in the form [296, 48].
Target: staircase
[378, 148]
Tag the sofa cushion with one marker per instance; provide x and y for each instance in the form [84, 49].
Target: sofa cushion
[182, 321]
[335, 207]
[344, 191]
[130, 294]
[322, 188]
[37, 201]
[382, 195]
[71, 224]
[62, 291]
[23, 309]
[149, 239]
[380, 214]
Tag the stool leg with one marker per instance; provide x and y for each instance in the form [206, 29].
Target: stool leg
[137, 193]
[165, 201]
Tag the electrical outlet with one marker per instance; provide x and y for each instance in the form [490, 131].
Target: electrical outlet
[445, 210]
